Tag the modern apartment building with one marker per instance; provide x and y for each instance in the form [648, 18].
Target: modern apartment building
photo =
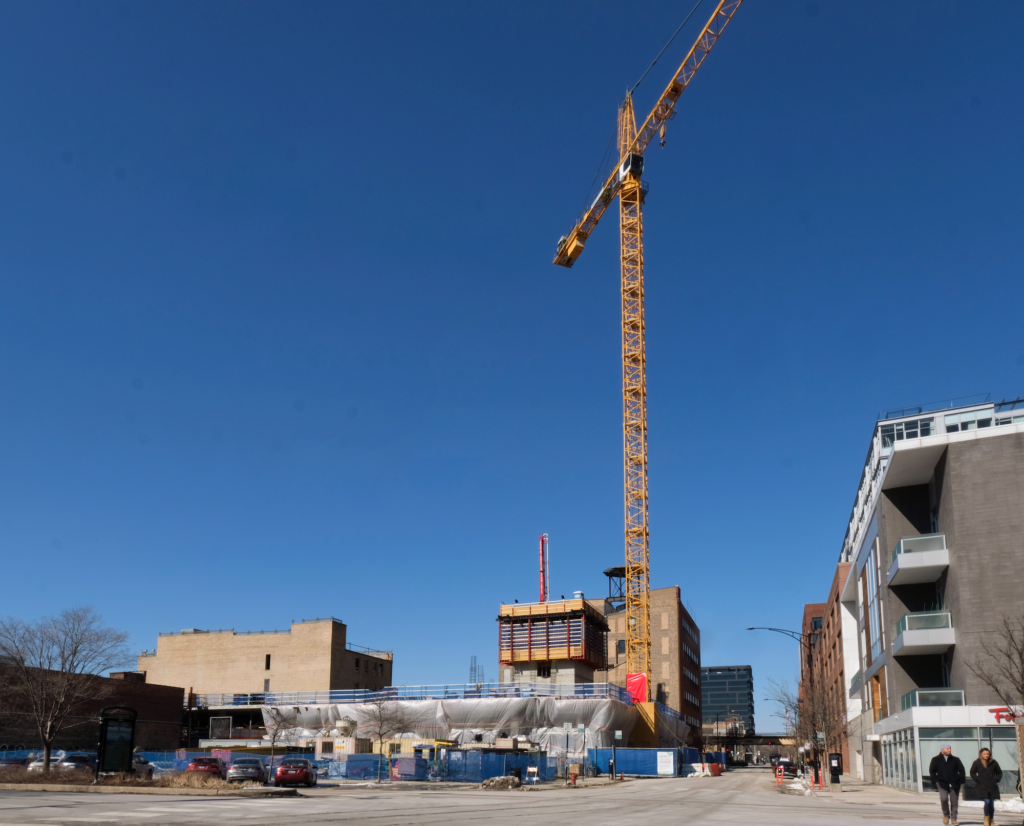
[313, 655]
[934, 548]
[727, 695]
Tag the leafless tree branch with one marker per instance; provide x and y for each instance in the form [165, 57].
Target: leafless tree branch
[51, 666]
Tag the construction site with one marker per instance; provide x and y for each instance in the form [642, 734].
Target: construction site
[576, 676]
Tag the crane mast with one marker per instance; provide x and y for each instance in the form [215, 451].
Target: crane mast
[625, 182]
[634, 403]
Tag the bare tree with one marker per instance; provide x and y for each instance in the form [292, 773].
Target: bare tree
[1001, 668]
[281, 727]
[817, 714]
[383, 719]
[52, 666]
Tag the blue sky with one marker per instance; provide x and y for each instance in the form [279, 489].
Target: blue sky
[281, 337]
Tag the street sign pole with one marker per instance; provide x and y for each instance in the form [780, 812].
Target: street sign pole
[614, 766]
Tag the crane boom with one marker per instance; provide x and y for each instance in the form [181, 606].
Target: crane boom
[570, 246]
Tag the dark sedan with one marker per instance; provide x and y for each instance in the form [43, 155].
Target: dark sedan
[295, 770]
[14, 762]
[250, 769]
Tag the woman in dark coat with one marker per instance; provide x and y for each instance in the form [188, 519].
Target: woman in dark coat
[987, 774]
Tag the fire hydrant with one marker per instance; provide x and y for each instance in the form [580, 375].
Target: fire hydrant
[573, 776]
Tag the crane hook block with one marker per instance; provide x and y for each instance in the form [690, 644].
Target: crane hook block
[663, 134]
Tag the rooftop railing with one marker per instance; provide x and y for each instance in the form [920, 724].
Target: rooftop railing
[916, 544]
[932, 697]
[923, 621]
[467, 691]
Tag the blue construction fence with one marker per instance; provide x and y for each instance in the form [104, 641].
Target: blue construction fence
[651, 762]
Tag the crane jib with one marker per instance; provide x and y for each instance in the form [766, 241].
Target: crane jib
[571, 246]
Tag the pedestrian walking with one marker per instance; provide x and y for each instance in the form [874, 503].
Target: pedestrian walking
[986, 773]
[947, 773]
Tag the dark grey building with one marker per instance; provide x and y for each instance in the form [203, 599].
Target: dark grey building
[727, 699]
[935, 541]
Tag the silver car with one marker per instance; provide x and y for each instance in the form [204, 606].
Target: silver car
[76, 762]
[142, 767]
[250, 769]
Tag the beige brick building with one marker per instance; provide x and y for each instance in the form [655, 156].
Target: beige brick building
[313, 655]
[675, 653]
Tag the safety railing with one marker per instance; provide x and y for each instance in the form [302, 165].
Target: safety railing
[923, 621]
[932, 697]
[460, 691]
[914, 544]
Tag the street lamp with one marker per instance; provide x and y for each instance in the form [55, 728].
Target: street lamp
[796, 635]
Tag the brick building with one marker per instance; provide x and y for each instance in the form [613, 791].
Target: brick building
[313, 655]
[675, 650]
[823, 659]
[158, 727]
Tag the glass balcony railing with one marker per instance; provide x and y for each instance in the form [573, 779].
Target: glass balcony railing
[925, 542]
[932, 697]
[923, 621]
[855, 681]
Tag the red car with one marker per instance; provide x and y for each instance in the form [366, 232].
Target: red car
[209, 765]
[295, 770]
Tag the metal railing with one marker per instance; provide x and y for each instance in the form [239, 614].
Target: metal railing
[932, 697]
[923, 621]
[461, 691]
[916, 544]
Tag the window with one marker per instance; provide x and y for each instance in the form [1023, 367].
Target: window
[266, 686]
[543, 669]
[620, 647]
[366, 666]
[267, 666]
[327, 747]
[394, 748]
[907, 430]
[357, 663]
[816, 623]
[968, 421]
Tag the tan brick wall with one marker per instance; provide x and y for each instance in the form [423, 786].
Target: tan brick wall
[668, 658]
[310, 657]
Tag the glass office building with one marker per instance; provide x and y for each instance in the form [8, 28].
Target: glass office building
[727, 698]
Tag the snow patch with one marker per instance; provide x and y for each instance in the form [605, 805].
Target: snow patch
[1010, 804]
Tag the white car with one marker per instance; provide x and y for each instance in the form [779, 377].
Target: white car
[55, 757]
[142, 767]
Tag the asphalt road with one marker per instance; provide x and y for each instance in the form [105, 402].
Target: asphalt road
[739, 797]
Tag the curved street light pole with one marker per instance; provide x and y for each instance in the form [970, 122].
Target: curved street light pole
[796, 635]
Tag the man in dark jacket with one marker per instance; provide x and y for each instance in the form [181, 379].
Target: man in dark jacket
[948, 775]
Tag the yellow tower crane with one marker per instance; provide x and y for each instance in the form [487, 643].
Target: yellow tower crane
[625, 182]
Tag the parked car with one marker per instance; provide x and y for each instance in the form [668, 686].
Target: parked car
[37, 764]
[13, 762]
[142, 767]
[789, 768]
[208, 765]
[76, 762]
[295, 770]
[248, 769]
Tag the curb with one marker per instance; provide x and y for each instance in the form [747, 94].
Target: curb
[64, 787]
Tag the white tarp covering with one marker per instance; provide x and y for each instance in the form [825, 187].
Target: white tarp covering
[540, 720]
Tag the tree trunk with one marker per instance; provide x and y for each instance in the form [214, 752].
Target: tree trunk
[380, 761]
[1020, 750]
[47, 750]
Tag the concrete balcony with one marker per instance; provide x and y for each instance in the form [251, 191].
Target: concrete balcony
[918, 559]
[930, 632]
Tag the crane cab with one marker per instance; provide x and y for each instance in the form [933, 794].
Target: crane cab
[632, 166]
